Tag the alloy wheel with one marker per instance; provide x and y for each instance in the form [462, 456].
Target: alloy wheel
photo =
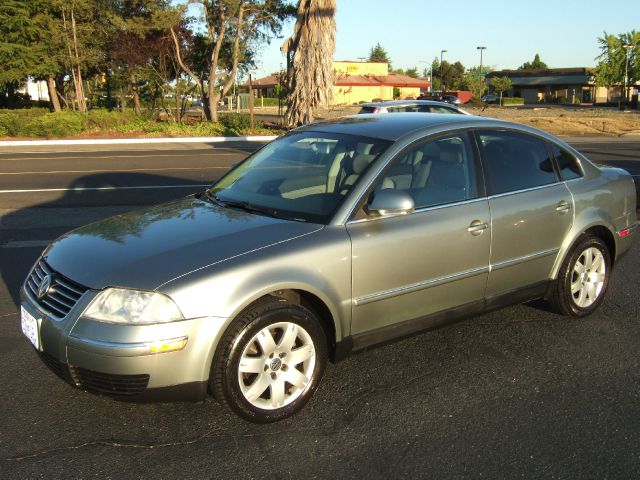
[276, 365]
[588, 277]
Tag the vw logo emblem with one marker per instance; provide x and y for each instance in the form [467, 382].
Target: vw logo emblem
[45, 286]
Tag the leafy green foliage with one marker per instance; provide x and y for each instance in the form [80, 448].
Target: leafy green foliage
[500, 84]
[536, 64]
[613, 58]
[379, 54]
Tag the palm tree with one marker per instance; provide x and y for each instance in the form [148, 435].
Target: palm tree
[310, 60]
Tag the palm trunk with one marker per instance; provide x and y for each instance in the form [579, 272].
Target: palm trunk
[53, 94]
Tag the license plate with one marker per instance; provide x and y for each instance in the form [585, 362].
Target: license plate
[30, 327]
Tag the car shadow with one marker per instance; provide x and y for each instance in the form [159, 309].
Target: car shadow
[25, 232]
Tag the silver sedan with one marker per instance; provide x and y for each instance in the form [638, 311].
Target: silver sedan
[333, 238]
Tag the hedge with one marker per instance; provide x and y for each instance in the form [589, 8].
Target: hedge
[512, 101]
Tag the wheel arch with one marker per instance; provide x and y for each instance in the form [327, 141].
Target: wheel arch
[599, 230]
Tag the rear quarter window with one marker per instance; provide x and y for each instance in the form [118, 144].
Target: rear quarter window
[568, 164]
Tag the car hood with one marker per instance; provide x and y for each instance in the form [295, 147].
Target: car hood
[146, 248]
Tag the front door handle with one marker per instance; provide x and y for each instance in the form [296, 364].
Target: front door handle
[477, 227]
[563, 207]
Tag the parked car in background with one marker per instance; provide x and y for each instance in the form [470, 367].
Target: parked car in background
[452, 99]
[335, 237]
[490, 98]
[399, 106]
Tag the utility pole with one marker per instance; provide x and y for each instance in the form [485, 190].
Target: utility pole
[481, 50]
[627, 47]
[442, 52]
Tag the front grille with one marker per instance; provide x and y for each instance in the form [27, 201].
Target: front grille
[61, 296]
[109, 384]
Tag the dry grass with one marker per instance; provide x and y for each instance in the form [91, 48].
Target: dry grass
[568, 121]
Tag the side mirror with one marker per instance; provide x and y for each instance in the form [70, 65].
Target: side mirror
[389, 202]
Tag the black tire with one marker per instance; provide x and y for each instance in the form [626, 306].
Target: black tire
[224, 380]
[561, 298]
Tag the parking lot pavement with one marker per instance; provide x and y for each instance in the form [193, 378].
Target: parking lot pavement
[517, 393]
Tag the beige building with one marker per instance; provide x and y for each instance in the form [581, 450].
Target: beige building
[358, 82]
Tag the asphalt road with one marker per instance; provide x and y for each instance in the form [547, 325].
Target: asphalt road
[518, 393]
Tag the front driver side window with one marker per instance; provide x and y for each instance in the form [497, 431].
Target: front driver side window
[435, 172]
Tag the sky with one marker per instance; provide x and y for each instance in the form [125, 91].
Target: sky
[413, 32]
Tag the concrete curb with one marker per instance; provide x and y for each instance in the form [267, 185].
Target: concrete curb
[123, 141]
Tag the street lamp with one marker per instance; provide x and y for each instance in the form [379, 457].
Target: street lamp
[442, 52]
[481, 49]
[627, 47]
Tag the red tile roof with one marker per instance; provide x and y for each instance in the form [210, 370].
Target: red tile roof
[391, 80]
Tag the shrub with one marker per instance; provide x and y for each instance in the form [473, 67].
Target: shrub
[53, 125]
[267, 102]
[512, 101]
[237, 123]
[376, 100]
[3, 132]
[104, 119]
[10, 124]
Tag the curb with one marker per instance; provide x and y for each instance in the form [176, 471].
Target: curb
[119, 141]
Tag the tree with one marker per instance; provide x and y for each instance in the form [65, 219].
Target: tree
[452, 75]
[232, 30]
[612, 61]
[500, 85]
[310, 56]
[137, 34]
[474, 81]
[536, 64]
[412, 72]
[379, 54]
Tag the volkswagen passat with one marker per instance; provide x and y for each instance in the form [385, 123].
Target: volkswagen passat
[335, 237]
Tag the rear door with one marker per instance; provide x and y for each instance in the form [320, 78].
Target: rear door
[531, 210]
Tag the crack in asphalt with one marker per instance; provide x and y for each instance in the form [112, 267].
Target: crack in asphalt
[351, 410]
[15, 314]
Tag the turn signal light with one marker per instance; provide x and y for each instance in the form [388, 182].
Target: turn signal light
[623, 233]
[171, 345]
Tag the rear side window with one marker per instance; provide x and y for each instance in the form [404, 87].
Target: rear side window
[515, 161]
[567, 163]
[367, 110]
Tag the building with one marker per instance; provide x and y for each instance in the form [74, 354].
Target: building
[557, 85]
[356, 82]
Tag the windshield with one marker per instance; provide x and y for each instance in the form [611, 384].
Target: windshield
[302, 176]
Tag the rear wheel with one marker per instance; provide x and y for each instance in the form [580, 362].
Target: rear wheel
[583, 278]
[270, 361]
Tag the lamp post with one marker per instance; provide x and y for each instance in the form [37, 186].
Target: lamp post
[481, 49]
[627, 47]
[442, 52]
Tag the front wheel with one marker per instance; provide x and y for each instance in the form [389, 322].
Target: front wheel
[270, 361]
[583, 278]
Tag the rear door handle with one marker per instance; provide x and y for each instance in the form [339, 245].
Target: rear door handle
[477, 227]
[563, 207]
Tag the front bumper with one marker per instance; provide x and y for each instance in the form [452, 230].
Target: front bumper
[115, 359]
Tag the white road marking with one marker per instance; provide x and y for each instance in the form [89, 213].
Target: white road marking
[102, 157]
[26, 244]
[93, 189]
[122, 141]
[112, 170]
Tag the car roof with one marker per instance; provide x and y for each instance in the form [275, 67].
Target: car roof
[397, 103]
[393, 127]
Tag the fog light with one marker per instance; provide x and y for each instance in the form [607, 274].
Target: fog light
[170, 345]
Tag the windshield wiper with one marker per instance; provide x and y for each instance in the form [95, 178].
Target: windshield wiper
[248, 207]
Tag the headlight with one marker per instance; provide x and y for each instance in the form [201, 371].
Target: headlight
[119, 305]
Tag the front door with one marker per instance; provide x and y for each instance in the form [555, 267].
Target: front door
[436, 259]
